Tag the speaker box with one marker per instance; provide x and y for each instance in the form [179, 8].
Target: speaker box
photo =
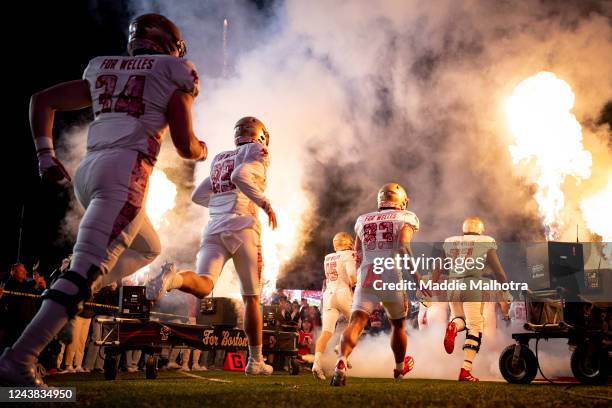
[553, 265]
[217, 311]
[133, 302]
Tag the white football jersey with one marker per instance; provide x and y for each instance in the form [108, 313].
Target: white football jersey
[379, 232]
[468, 246]
[340, 269]
[235, 189]
[130, 98]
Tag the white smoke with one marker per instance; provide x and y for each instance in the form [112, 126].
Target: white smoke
[432, 361]
[405, 91]
[356, 95]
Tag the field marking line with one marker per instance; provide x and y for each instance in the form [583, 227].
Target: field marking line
[204, 378]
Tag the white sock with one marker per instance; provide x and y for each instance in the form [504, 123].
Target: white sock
[176, 282]
[317, 359]
[469, 356]
[255, 353]
[49, 320]
[399, 366]
[459, 323]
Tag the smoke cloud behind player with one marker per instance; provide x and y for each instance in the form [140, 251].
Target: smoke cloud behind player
[407, 90]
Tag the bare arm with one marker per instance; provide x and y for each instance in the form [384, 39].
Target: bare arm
[181, 129]
[405, 237]
[351, 270]
[495, 265]
[357, 247]
[67, 96]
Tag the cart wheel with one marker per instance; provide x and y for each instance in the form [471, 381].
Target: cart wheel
[521, 371]
[151, 368]
[110, 366]
[590, 369]
[294, 366]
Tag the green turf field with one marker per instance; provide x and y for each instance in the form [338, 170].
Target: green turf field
[225, 390]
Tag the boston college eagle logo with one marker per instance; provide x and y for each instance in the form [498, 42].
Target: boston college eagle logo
[165, 332]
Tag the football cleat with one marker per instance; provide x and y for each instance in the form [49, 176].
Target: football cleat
[258, 368]
[348, 362]
[318, 373]
[18, 374]
[449, 337]
[465, 375]
[339, 378]
[157, 286]
[408, 366]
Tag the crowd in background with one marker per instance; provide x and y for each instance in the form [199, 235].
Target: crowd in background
[74, 349]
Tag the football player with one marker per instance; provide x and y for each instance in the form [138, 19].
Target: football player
[467, 305]
[233, 193]
[340, 277]
[135, 99]
[384, 233]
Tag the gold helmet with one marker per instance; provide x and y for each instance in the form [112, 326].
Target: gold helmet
[343, 240]
[250, 129]
[157, 33]
[473, 225]
[392, 195]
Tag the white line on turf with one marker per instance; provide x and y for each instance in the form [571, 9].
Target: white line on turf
[204, 378]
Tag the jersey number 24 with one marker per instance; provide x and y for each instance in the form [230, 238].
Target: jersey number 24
[128, 101]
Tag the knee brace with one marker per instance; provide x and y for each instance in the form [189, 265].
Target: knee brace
[74, 303]
[477, 339]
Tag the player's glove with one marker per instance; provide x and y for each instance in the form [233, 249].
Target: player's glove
[204, 153]
[49, 167]
[271, 215]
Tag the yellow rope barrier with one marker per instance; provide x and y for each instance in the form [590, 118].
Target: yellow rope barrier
[93, 304]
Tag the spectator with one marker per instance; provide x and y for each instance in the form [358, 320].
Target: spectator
[306, 338]
[283, 306]
[304, 309]
[76, 348]
[16, 311]
[108, 295]
[292, 316]
[314, 316]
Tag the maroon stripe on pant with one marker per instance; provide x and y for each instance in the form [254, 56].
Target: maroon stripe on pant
[139, 177]
[260, 262]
